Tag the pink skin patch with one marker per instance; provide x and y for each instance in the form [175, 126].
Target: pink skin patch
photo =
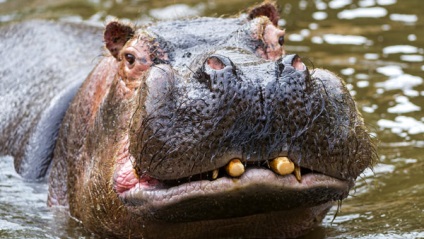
[125, 178]
[215, 63]
[271, 38]
[298, 64]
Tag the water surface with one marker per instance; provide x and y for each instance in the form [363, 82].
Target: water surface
[377, 46]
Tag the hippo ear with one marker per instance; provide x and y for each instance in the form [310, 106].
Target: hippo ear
[116, 35]
[268, 9]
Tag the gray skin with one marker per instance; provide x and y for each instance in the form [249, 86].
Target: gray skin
[168, 105]
[42, 66]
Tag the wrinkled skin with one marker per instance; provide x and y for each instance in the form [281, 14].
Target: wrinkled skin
[137, 148]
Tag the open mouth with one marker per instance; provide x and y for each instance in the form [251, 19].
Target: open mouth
[238, 189]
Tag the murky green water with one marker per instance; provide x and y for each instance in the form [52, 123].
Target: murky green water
[377, 46]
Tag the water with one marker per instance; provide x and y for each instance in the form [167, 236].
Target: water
[377, 46]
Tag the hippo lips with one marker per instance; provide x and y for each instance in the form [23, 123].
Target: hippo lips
[257, 191]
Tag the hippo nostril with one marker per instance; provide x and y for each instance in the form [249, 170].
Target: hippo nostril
[215, 63]
[215, 67]
[218, 62]
[298, 64]
[293, 61]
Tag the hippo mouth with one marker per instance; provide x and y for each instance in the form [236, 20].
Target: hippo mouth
[260, 189]
[260, 167]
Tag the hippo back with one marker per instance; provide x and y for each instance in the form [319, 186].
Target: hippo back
[42, 66]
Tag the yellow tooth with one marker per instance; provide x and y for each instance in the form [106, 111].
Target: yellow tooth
[282, 166]
[215, 174]
[235, 168]
[297, 173]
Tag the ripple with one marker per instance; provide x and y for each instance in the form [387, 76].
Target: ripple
[406, 49]
[362, 76]
[390, 70]
[411, 93]
[409, 18]
[372, 12]
[320, 5]
[403, 106]
[318, 40]
[343, 218]
[386, 2]
[370, 109]
[282, 22]
[296, 37]
[366, 3]
[5, 225]
[7, 17]
[371, 56]
[412, 58]
[313, 25]
[380, 168]
[345, 39]
[335, 4]
[402, 123]
[362, 84]
[319, 15]
[177, 11]
[401, 82]
[412, 37]
[347, 71]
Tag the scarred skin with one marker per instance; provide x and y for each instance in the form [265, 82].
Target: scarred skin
[136, 149]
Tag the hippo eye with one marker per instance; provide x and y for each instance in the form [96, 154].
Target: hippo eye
[130, 58]
[281, 40]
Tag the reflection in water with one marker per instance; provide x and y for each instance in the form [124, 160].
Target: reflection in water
[402, 125]
[400, 49]
[404, 18]
[375, 45]
[176, 11]
[373, 12]
[24, 212]
[346, 39]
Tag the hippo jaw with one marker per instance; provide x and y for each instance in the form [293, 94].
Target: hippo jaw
[257, 191]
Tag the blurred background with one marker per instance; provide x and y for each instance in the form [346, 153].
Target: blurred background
[377, 46]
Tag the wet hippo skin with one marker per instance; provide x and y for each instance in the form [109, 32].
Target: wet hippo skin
[200, 128]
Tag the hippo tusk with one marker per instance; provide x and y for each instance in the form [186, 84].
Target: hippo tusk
[215, 174]
[282, 166]
[235, 168]
[297, 173]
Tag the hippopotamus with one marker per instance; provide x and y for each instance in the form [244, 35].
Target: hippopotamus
[192, 128]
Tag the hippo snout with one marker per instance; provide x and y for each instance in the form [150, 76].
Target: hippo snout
[194, 125]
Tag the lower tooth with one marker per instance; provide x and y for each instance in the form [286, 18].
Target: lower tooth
[297, 173]
[215, 174]
[282, 166]
[235, 168]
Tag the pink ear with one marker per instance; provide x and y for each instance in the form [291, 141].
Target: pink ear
[268, 9]
[116, 35]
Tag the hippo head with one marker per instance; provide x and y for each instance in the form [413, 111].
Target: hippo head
[218, 136]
